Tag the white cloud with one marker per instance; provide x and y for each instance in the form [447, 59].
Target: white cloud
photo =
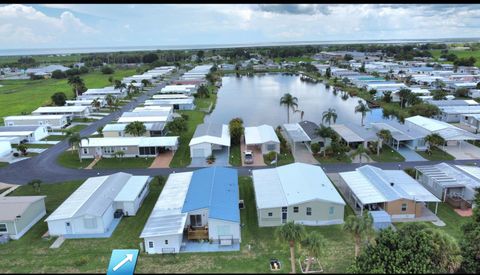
[24, 26]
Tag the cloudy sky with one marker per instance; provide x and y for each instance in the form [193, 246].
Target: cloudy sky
[82, 25]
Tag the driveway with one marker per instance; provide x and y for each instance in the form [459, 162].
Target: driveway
[162, 160]
[464, 151]
[221, 159]
[257, 155]
[409, 154]
[302, 154]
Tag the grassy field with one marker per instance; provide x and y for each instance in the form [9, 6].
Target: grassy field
[115, 163]
[31, 253]
[34, 145]
[24, 96]
[182, 155]
[54, 138]
[327, 160]
[283, 158]
[71, 58]
[460, 54]
[235, 155]
[3, 164]
[436, 154]
[387, 154]
[76, 128]
[70, 159]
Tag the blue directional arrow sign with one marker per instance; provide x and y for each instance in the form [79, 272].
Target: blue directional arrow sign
[123, 262]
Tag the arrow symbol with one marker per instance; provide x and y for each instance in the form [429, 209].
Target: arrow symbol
[128, 258]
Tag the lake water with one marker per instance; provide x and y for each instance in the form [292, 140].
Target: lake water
[256, 100]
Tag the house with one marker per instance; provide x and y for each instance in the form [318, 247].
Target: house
[354, 135]
[46, 70]
[453, 114]
[155, 129]
[454, 184]
[296, 192]
[90, 210]
[178, 101]
[137, 78]
[393, 191]
[198, 205]
[19, 134]
[69, 111]
[295, 135]
[474, 93]
[19, 214]
[86, 102]
[263, 138]
[179, 89]
[50, 121]
[471, 120]
[110, 90]
[401, 135]
[146, 116]
[208, 138]
[5, 148]
[131, 146]
[451, 134]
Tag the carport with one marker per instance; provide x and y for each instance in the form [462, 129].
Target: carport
[296, 134]
[349, 136]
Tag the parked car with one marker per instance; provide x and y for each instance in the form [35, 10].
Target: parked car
[248, 157]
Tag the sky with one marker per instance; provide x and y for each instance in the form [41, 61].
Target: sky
[124, 25]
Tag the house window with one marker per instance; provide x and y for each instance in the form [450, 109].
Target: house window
[404, 207]
[85, 151]
[309, 211]
[3, 227]
[295, 209]
[124, 148]
[90, 223]
[270, 147]
[150, 244]
[166, 241]
[331, 210]
[270, 214]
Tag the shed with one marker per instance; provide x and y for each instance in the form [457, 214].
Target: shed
[381, 219]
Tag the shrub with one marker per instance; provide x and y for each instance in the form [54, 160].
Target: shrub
[107, 70]
[185, 116]
[57, 74]
[410, 171]
[315, 148]
[270, 156]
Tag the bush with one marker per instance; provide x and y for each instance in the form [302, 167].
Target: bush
[315, 148]
[59, 98]
[270, 156]
[149, 58]
[84, 70]
[410, 171]
[57, 74]
[107, 70]
[185, 116]
[71, 72]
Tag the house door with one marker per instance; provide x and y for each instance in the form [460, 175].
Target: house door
[68, 227]
[284, 215]
[196, 220]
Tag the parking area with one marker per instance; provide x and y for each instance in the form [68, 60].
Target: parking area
[221, 159]
[257, 155]
[162, 160]
[464, 151]
[302, 154]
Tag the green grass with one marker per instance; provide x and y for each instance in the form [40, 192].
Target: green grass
[387, 154]
[76, 128]
[70, 159]
[283, 159]
[68, 59]
[24, 96]
[54, 138]
[34, 145]
[182, 155]
[235, 155]
[293, 59]
[452, 220]
[3, 164]
[84, 119]
[115, 163]
[436, 154]
[459, 54]
[330, 159]
[32, 254]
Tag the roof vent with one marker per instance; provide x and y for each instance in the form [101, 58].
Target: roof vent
[392, 184]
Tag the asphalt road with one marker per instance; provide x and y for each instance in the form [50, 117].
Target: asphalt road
[46, 168]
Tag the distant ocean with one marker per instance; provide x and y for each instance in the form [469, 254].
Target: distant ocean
[67, 51]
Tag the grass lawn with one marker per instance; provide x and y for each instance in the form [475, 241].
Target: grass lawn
[452, 220]
[112, 163]
[235, 155]
[34, 145]
[3, 164]
[387, 154]
[293, 59]
[182, 155]
[70, 159]
[460, 54]
[328, 159]
[18, 96]
[436, 154]
[76, 128]
[283, 158]
[54, 138]
[31, 252]
[84, 119]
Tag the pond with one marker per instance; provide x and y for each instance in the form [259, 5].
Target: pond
[256, 99]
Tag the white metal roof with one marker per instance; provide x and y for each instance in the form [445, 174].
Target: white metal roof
[170, 96]
[131, 141]
[296, 132]
[14, 206]
[346, 133]
[293, 184]
[446, 130]
[223, 140]
[167, 217]
[447, 176]
[362, 188]
[260, 134]
[61, 109]
[132, 188]
[34, 117]
[160, 110]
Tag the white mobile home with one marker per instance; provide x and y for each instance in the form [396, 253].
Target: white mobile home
[208, 138]
[145, 117]
[118, 130]
[17, 134]
[70, 111]
[90, 209]
[19, 213]
[110, 90]
[263, 137]
[200, 205]
[5, 148]
[296, 192]
[50, 121]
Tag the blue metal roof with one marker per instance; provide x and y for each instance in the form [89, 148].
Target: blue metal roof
[214, 188]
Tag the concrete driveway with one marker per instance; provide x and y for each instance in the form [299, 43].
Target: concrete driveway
[464, 151]
[302, 154]
[162, 160]
[409, 154]
[221, 159]
[257, 155]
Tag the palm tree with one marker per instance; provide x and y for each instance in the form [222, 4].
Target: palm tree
[302, 113]
[363, 109]
[96, 103]
[146, 82]
[290, 102]
[75, 141]
[382, 135]
[403, 94]
[330, 115]
[314, 243]
[120, 85]
[359, 227]
[433, 140]
[76, 82]
[291, 233]
[359, 152]
[136, 128]
[325, 132]
[22, 148]
[130, 87]
[412, 99]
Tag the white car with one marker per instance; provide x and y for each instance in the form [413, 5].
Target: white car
[248, 157]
